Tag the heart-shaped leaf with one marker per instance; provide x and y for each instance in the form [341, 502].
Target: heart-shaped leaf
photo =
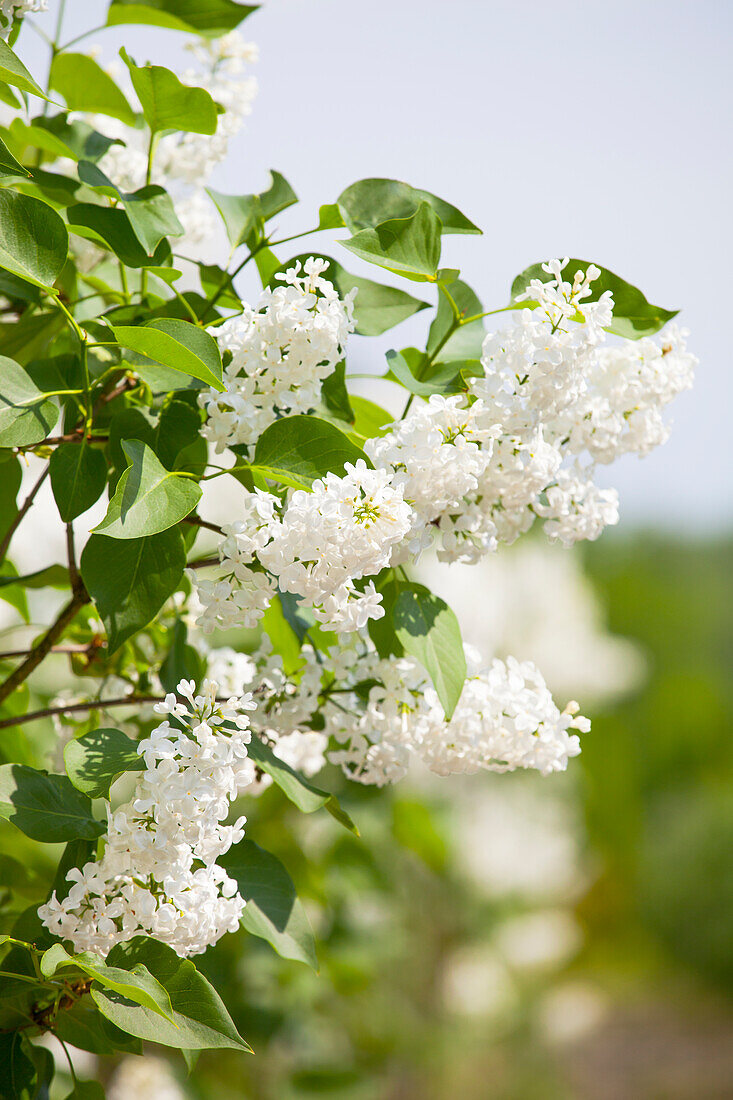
[273, 911]
[26, 415]
[45, 807]
[87, 87]
[428, 630]
[200, 1019]
[130, 579]
[78, 478]
[205, 17]
[408, 246]
[167, 103]
[94, 761]
[148, 498]
[298, 449]
[367, 203]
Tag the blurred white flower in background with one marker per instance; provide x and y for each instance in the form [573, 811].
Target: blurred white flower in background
[533, 601]
[146, 1078]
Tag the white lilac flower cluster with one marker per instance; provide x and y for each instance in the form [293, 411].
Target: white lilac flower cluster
[16, 9]
[564, 404]
[505, 719]
[158, 875]
[379, 714]
[438, 456]
[466, 471]
[280, 354]
[285, 704]
[320, 548]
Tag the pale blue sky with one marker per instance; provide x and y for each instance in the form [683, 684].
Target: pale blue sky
[594, 130]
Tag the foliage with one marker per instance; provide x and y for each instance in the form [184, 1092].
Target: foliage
[108, 354]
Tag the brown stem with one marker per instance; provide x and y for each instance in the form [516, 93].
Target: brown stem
[70, 437]
[198, 522]
[44, 647]
[21, 514]
[71, 555]
[201, 563]
[95, 704]
[80, 648]
[127, 383]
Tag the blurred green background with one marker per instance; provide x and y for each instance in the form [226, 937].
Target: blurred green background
[515, 937]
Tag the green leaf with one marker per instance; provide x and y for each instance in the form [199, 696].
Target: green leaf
[205, 17]
[175, 428]
[33, 239]
[26, 415]
[84, 142]
[45, 807]
[11, 592]
[14, 72]
[130, 579]
[428, 630]
[370, 420]
[28, 338]
[633, 315]
[182, 661]
[335, 396]
[175, 344]
[136, 983]
[78, 478]
[11, 476]
[83, 1026]
[242, 214]
[273, 911]
[53, 576]
[87, 87]
[306, 797]
[285, 642]
[27, 135]
[96, 759]
[213, 279]
[413, 827]
[404, 365]
[298, 449]
[376, 307]
[86, 1090]
[112, 229]
[167, 103]
[330, 217]
[148, 498]
[7, 95]
[465, 342]
[200, 1019]
[19, 1073]
[150, 209]
[9, 166]
[367, 203]
[408, 246]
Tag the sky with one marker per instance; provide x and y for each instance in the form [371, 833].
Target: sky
[600, 131]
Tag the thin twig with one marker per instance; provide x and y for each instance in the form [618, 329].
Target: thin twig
[202, 563]
[21, 514]
[43, 648]
[81, 647]
[198, 522]
[74, 577]
[95, 704]
[127, 383]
